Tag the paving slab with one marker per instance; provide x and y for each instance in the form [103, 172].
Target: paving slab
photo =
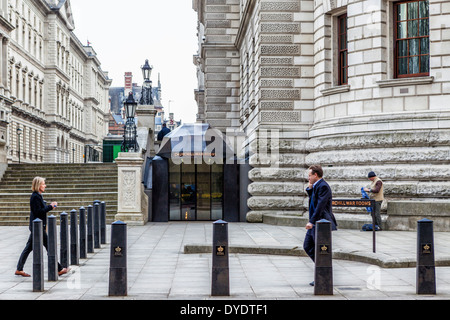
[172, 261]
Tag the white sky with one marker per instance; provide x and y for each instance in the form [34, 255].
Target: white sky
[125, 33]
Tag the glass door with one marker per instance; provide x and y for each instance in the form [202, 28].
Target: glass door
[216, 192]
[188, 190]
[195, 192]
[174, 191]
[203, 192]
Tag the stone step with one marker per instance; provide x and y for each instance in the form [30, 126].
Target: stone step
[24, 221]
[25, 203]
[86, 196]
[62, 189]
[71, 185]
[344, 220]
[60, 175]
[25, 166]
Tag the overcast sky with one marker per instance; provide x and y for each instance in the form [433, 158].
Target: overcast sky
[125, 33]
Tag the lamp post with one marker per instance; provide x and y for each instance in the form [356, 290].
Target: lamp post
[129, 143]
[146, 96]
[19, 132]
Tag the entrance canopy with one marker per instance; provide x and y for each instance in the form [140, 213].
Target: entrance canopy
[196, 140]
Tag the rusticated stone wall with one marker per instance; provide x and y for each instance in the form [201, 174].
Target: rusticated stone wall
[288, 88]
[218, 62]
[276, 101]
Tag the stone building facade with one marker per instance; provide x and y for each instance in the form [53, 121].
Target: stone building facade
[353, 85]
[52, 86]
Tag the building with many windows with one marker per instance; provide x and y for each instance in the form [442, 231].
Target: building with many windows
[54, 102]
[353, 85]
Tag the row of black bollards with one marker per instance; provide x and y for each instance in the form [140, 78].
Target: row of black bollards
[75, 241]
[425, 265]
[85, 232]
[220, 280]
[323, 271]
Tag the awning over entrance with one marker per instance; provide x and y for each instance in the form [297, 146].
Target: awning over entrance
[195, 176]
[196, 140]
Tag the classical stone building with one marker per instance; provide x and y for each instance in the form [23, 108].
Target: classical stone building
[53, 93]
[353, 85]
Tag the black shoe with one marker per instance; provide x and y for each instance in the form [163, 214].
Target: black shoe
[311, 284]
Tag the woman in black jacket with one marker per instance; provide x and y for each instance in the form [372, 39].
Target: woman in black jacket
[38, 209]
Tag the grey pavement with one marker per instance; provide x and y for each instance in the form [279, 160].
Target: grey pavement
[171, 261]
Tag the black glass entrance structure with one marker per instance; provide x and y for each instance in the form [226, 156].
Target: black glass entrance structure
[193, 189]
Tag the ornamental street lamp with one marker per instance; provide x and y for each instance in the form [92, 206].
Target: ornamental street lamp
[129, 143]
[146, 71]
[146, 96]
[19, 132]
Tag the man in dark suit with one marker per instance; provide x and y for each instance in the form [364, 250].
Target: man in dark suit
[164, 131]
[320, 207]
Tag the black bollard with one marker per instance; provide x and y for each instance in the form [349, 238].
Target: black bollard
[52, 249]
[90, 229]
[64, 235]
[220, 280]
[118, 260]
[96, 225]
[38, 256]
[425, 267]
[82, 227]
[103, 222]
[74, 253]
[323, 272]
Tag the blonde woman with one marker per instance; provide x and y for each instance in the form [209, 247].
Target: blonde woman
[38, 209]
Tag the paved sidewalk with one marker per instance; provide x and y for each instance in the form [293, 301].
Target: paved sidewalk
[159, 268]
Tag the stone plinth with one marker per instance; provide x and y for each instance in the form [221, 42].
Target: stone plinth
[130, 189]
[404, 214]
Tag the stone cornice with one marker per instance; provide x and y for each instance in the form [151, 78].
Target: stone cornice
[248, 10]
[215, 46]
[5, 23]
[29, 116]
[404, 81]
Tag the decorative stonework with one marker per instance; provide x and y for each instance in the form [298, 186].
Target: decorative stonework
[280, 94]
[277, 105]
[280, 49]
[280, 72]
[277, 116]
[129, 188]
[280, 6]
[130, 208]
[280, 27]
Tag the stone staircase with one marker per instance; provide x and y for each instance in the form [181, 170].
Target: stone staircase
[71, 185]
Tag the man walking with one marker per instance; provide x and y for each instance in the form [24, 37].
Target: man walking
[320, 198]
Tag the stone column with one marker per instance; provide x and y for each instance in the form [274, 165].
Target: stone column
[130, 189]
[145, 115]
